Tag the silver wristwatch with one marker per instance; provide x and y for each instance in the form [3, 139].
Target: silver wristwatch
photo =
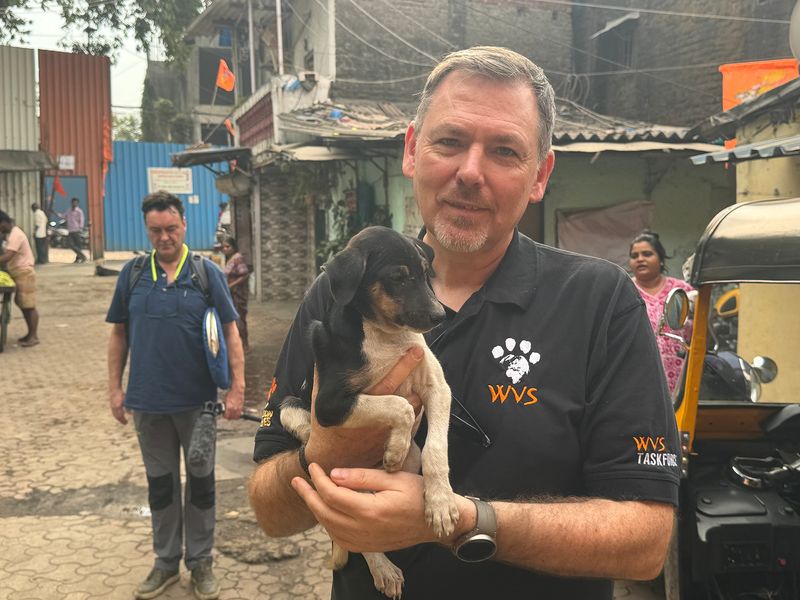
[480, 543]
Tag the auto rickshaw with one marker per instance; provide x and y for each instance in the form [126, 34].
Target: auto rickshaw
[738, 412]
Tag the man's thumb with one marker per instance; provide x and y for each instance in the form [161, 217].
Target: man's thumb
[361, 479]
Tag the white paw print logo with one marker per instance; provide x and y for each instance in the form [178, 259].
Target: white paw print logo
[516, 360]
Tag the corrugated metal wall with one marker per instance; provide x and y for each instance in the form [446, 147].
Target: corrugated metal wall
[75, 101]
[126, 185]
[18, 131]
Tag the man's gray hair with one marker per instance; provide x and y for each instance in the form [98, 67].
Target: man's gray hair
[500, 64]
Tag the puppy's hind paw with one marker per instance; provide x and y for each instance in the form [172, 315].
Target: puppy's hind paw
[441, 512]
[393, 458]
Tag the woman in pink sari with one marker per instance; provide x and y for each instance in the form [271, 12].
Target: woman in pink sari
[237, 274]
[646, 261]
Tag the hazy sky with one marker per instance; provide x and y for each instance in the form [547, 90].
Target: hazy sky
[127, 69]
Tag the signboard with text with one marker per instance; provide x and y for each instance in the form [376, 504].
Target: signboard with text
[175, 181]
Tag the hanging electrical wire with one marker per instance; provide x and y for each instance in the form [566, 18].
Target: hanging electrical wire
[390, 32]
[591, 55]
[654, 11]
[369, 45]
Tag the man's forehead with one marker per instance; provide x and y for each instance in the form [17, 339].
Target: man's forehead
[459, 88]
[163, 217]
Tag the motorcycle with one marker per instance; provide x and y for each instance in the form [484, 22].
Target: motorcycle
[738, 524]
[58, 234]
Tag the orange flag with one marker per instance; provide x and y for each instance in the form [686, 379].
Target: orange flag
[57, 187]
[229, 126]
[225, 77]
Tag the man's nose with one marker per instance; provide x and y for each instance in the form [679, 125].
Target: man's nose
[470, 171]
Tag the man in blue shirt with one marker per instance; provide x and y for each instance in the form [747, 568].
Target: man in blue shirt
[160, 324]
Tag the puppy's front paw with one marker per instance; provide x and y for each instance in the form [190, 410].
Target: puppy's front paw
[386, 576]
[441, 512]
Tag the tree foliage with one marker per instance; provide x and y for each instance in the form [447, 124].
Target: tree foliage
[161, 121]
[127, 128]
[100, 26]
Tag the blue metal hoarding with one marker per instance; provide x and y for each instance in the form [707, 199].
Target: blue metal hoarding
[127, 184]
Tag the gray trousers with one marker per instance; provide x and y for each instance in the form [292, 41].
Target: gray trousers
[161, 438]
[75, 243]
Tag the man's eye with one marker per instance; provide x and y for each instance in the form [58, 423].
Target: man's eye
[506, 152]
[451, 142]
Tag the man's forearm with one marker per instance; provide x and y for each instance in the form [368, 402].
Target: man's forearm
[278, 509]
[117, 355]
[585, 538]
[235, 354]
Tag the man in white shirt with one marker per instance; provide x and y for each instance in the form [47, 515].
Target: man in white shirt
[40, 234]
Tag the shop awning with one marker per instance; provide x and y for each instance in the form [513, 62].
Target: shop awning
[25, 160]
[786, 146]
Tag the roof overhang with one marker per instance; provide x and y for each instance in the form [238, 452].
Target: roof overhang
[614, 23]
[310, 153]
[726, 123]
[594, 147]
[25, 160]
[224, 13]
[208, 156]
[775, 148]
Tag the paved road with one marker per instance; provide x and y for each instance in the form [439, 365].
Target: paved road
[73, 503]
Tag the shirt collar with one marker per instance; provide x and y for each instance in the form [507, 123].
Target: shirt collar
[514, 280]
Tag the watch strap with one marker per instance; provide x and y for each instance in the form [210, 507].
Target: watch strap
[480, 543]
[486, 521]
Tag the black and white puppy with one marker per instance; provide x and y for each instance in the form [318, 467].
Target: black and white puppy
[383, 303]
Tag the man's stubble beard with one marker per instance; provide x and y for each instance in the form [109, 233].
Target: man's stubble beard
[459, 234]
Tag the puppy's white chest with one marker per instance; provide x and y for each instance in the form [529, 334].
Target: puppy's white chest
[382, 351]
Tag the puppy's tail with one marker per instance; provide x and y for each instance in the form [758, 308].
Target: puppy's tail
[296, 417]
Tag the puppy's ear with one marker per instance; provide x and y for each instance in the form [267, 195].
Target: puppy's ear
[425, 251]
[345, 271]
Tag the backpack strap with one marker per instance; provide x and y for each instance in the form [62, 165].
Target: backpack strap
[134, 275]
[197, 266]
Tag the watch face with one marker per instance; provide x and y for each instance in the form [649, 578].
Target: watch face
[481, 547]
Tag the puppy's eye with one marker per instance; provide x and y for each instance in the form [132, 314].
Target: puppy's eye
[397, 277]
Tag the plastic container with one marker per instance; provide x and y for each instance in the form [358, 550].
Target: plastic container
[742, 82]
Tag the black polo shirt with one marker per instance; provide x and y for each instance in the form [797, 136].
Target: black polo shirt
[558, 390]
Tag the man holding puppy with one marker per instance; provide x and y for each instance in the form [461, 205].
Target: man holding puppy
[563, 445]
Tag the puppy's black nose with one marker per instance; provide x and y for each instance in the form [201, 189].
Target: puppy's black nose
[437, 315]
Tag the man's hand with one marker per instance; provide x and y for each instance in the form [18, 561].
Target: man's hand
[342, 447]
[391, 518]
[117, 401]
[234, 403]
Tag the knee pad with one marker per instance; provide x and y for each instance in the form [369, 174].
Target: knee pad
[159, 491]
[202, 490]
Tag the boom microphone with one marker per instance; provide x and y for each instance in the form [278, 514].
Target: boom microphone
[204, 435]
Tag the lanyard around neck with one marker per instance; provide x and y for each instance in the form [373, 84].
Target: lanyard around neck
[180, 264]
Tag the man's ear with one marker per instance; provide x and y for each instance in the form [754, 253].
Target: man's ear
[345, 271]
[410, 151]
[542, 177]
